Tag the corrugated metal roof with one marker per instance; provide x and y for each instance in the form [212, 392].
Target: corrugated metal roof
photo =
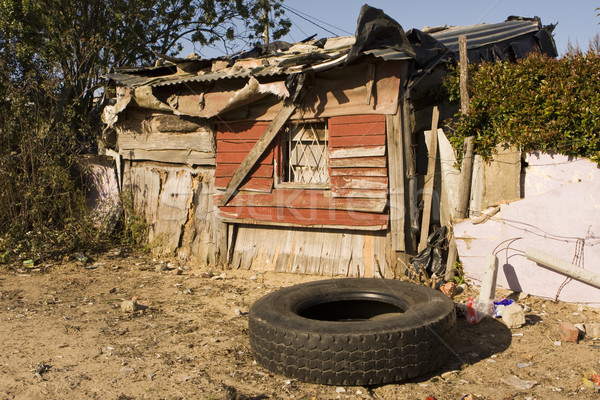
[485, 34]
[285, 63]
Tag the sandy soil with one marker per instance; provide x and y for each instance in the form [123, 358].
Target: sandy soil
[64, 334]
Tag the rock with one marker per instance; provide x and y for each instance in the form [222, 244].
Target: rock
[131, 306]
[568, 332]
[513, 316]
[449, 289]
[450, 375]
[340, 390]
[581, 328]
[557, 343]
[592, 330]
[178, 271]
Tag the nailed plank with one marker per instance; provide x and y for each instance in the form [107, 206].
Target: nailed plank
[259, 170]
[361, 140]
[189, 157]
[357, 119]
[305, 217]
[235, 146]
[238, 158]
[359, 193]
[306, 199]
[257, 151]
[358, 172]
[358, 162]
[364, 151]
[246, 130]
[396, 170]
[253, 184]
[202, 141]
[362, 182]
[429, 179]
[251, 221]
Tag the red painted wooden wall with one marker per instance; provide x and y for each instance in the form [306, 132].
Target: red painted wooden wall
[358, 178]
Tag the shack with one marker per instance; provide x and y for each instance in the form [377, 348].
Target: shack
[296, 157]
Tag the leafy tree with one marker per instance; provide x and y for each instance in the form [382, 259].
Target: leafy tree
[52, 56]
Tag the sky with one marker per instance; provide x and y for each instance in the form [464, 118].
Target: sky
[576, 20]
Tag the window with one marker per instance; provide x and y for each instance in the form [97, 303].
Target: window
[304, 154]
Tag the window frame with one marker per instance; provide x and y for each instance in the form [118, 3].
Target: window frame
[278, 161]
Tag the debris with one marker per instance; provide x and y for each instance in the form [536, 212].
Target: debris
[557, 343]
[40, 369]
[582, 331]
[499, 306]
[524, 365]
[513, 316]
[81, 258]
[467, 397]
[340, 390]
[518, 382]
[28, 264]
[591, 381]
[568, 332]
[474, 311]
[449, 289]
[178, 271]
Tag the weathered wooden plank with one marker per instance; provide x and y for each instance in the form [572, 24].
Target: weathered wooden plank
[363, 151]
[429, 179]
[189, 157]
[237, 158]
[357, 119]
[179, 123]
[305, 217]
[410, 164]
[258, 150]
[255, 184]
[361, 140]
[306, 199]
[259, 170]
[246, 130]
[358, 172]
[396, 171]
[198, 141]
[361, 182]
[359, 193]
[235, 146]
[358, 162]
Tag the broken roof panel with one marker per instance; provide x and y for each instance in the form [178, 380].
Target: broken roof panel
[283, 59]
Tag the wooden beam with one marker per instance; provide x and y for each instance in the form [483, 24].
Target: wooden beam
[259, 148]
[466, 174]
[396, 180]
[464, 74]
[429, 179]
[370, 83]
[411, 175]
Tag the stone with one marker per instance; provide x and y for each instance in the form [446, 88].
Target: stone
[340, 390]
[513, 316]
[131, 306]
[568, 332]
[592, 330]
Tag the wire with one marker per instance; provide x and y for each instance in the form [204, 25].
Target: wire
[306, 19]
[293, 10]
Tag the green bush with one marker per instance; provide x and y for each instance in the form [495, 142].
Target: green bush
[537, 103]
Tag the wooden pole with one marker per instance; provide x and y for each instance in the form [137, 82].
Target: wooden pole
[429, 180]
[464, 74]
[411, 174]
[466, 174]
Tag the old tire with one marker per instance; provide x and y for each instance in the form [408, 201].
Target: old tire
[354, 331]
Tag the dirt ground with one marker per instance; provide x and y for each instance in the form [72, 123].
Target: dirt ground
[64, 333]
